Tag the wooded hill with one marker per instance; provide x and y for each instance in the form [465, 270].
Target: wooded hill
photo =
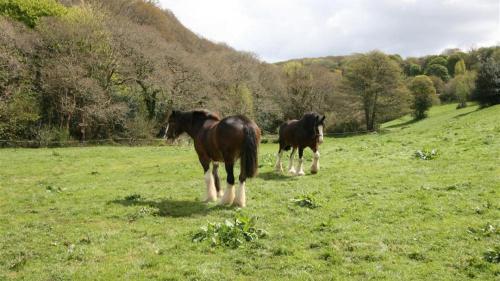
[97, 69]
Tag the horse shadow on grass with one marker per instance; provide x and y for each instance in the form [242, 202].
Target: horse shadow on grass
[169, 207]
[272, 175]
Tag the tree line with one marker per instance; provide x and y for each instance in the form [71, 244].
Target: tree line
[98, 69]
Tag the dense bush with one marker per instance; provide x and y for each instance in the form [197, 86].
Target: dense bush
[487, 90]
[423, 91]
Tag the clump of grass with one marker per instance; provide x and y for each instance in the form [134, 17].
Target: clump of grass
[133, 197]
[306, 201]
[232, 233]
[492, 255]
[55, 189]
[426, 154]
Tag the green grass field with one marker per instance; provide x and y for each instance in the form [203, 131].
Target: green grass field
[384, 214]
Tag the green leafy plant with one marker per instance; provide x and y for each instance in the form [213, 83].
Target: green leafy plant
[425, 154]
[232, 233]
[306, 201]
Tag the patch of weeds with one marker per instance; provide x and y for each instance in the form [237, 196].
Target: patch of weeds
[232, 233]
[306, 201]
[488, 139]
[94, 173]
[133, 197]
[486, 231]
[426, 154]
[331, 257]
[416, 256]
[458, 186]
[55, 153]
[19, 261]
[492, 255]
[282, 251]
[53, 189]
[143, 212]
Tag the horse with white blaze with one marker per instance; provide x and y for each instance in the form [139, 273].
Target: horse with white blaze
[299, 134]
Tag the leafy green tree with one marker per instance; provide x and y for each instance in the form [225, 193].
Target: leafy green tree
[414, 69]
[373, 77]
[453, 59]
[423, 91]
[30, 11]
[439, 71]
[460, 67]
[487, 90]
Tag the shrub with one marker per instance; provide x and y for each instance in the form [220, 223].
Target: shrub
[232, 233]
[423, 92]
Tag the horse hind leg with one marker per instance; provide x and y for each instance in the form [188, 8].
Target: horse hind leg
[215, 170]
[279, 166]
[228, 197]
[291, 168]
[241, 199]
[300, 170]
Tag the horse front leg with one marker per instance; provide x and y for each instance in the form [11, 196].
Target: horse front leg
[209, 180]
[300, 171]
[229, 194]
[315, 164]
[291, 168]
[215, 169]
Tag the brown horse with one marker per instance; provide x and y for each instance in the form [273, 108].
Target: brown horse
[306, 132]
[218, 140]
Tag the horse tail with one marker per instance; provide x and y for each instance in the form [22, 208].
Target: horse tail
[249, 160]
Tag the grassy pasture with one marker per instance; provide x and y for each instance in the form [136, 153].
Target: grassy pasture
[383, 215]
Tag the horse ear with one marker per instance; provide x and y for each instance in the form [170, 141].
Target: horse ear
[323, 119]
[174, 112]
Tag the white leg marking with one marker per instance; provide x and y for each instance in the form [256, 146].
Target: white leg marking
[320, 130]
[166, 131]
[220, 193]
[241, 199]
[301, 167]
[315, 165]
[291, 168]
[279, 167]
[211, 193]
[228, 197]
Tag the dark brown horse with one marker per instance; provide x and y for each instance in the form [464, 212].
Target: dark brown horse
[306, 132]
[218, 140]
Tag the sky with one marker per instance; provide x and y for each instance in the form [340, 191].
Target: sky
[278, 30]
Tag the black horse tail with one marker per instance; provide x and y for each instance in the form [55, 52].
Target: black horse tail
[249, 159]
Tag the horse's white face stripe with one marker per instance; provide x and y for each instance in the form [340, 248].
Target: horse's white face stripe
[320, 131]
[166, 131]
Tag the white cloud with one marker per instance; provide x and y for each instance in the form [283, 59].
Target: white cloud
[284, 29]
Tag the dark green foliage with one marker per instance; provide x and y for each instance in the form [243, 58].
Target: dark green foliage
[452, 61]
[232, 233]
[487, 90]
[493, 255]
[423, 92]
[438, 70]
[414, 69]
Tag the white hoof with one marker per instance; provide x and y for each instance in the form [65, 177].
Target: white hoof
[300, 173]
[240, 199]
[228, 197]
[292, 171]
[220, 193]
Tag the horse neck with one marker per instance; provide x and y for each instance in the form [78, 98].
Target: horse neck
[197, 126]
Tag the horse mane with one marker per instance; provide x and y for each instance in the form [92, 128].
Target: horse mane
[308, 121]
[206, 114]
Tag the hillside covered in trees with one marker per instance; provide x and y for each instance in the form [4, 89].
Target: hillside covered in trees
[97, 69]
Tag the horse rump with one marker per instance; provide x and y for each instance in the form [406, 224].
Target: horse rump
[249, 159]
